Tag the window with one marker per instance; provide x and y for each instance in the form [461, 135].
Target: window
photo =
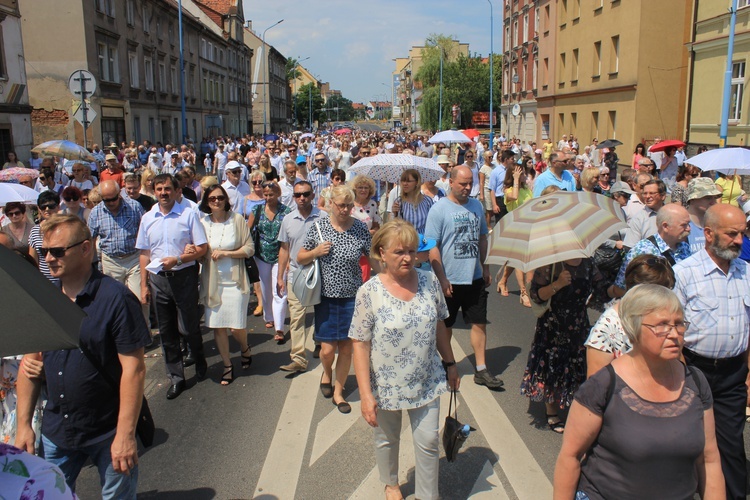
[162, 77]
[173, 79]
[133, 70]
[106, 7]
[574, 66]
[151, 129]
[3, 69]
[145, 19]
[526, 27]
[573, 123]
[523, 76]
[535, 74]
[577, 11]
[148, 73]
[516, 34]
[203, 49]
[743, 3]
[191, 83]
[545, 72]
[597, 69]
[563, 12]
[536, 22]
[738, 88]
[109, 70]
[170, 33]
[595, 124]
[561, 121]
[546, 18]
[505, 81]
[130, 12]
[159, 34]
[612, 124]
[561, 70]
[210, 51]
[614, 56]
[598, 4]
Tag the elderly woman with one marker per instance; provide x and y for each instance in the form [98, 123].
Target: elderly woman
[73, 198]
[225, 288]
[400, 312]
[266, 221]
[252, 200]
[366, 210]
[412, 205]
[589, 179]
[607, 340]
[337, 242]
[19, 228]
[557, 360]
[603, 186]
[624, 418]
[81, 177]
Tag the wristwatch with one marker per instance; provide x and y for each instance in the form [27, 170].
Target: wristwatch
[448, 364]
[179, 260]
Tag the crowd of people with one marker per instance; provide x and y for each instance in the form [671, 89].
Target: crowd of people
[186, 236]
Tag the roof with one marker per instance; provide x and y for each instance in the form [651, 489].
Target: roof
[216, 9]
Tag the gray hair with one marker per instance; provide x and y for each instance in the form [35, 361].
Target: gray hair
[642, 300]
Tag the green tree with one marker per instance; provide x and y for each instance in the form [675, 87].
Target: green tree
[345, 111]
[292, 73]
[306, 94]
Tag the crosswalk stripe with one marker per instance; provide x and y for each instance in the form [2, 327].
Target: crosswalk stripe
[522, 470]
[333, 426]
[488, 485]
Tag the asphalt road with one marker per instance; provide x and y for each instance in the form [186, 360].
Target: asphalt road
[272, 436]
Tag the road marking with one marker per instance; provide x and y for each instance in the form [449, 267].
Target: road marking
[283, 462]
[333, 426]
[488, 485]
[522, 470]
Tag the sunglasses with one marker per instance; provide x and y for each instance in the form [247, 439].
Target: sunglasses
[268, 184]
[42, 178]
[48, 206]
[217, 198]
[110, 200]
[13, 213]
[257, 183]
[59, 252]
[320, 159]
[365, 153]
[76, 198]
[344, 206]
[236, 172]
[303, 195]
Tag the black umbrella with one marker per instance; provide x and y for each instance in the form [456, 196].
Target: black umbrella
[609, 143]
[36, 316]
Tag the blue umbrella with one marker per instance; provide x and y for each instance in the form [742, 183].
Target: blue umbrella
[271, 137]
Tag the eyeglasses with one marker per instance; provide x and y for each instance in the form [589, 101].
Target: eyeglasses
[605, 174]
[42, 178]
[219, 198]
[268, 184]
[13, 213]
[257, 183]
[48, 206]
[72, 198]
[364, 153]
[344, 206]
[59, 252]
[77, 171]
[320, 159]
[665, 329]
[111, 200]
[303, 195]
[236, 172]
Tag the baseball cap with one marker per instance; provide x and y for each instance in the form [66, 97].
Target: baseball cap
[538, 152]
[231, 165]
[443, 159]
[301, 159]
[701, 187]
[110, 156]
[425, 243]
[620, 187]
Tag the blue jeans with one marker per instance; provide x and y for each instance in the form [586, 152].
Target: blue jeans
[114, 485]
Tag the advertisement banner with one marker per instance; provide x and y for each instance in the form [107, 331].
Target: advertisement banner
[481, 118]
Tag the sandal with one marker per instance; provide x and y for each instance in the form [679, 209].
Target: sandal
[502, 288]
[555, 424]
[246, 361]
[258, 311]
[269, 324]
[228, 376]
[280, 338]
[525, 299]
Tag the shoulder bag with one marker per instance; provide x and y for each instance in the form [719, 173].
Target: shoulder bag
[540, 310]
[454, 433]
[307, 282]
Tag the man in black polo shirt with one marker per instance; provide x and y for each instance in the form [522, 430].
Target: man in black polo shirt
[84, 417]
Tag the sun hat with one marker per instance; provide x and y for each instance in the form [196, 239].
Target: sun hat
[701, 187]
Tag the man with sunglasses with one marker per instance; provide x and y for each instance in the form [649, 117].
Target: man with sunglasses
[320, 176]
[556, 175]
[115, 223]
[292, 234]
[235, 187]
[85, 416]
[163, 236]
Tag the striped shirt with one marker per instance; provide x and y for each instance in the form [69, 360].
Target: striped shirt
[35, 241]
[116, 232]
[417, 216]
[717, 305]
[319, 180]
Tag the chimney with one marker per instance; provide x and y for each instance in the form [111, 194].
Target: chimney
[249, 25]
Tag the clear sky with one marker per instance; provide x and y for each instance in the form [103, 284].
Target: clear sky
[352, 44]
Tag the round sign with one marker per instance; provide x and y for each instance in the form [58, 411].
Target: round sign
[516, 109]
[82, 84]
[515, 78]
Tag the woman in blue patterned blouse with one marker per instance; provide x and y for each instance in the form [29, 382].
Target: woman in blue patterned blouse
[412, 206]
[399, 340]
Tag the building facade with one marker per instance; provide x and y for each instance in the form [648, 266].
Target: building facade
[708, 59]
[546, 64]
[15, 111]
[270, 88]
[520, 69]
[132, 48]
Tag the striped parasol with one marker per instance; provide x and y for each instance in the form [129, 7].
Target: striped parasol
[64, 149]
[389, 167]
[553, 228]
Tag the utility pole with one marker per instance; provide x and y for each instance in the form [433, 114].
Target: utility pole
[724, 129]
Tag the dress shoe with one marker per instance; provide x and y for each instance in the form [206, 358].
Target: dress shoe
[293, 367]
[175, 390]
[201, 367]
[189, 360]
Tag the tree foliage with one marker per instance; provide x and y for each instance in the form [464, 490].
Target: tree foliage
[292, 73]
[466, 82]
[345, 111]
[301, 107]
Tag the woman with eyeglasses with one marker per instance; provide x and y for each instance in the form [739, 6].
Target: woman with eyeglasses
[645, 424]
[338, 177]
[366, 210]
[225, 287]
[412, 205]
[603, 187]
[265, 221]
[255, 198]
[337, 242]
[48, 203]
[19, 228]
[73, 203]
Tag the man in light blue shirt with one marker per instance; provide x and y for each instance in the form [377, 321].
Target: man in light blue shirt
[555, 175]
[497, 179]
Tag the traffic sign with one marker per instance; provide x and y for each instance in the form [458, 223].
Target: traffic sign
[90, 115]
[82, 84]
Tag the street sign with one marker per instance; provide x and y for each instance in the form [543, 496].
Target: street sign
[82, 84]
[516, 110]
[90, 116]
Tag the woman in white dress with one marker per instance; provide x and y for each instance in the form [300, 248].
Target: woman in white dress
[225, 288]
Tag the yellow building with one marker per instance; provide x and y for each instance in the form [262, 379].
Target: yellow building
[709, 59]
[620, 71]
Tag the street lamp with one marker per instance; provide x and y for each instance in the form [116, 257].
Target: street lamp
[492, 49]
[440, 113]
[265, 74]
[294, 102]
[182, 77]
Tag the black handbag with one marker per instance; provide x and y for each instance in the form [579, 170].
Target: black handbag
[608, 260]
[454, 432]
[145, 428]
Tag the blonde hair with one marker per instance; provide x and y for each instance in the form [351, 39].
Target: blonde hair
[147, 175]
[95, 195]
[414, 198]
[392, 232]
[363, 179]
[80, 229]
[257, 174]
[209, 181]
[587, 177]
[343, 193]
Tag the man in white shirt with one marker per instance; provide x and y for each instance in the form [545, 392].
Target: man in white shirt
[287, 183]
[236, 188]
